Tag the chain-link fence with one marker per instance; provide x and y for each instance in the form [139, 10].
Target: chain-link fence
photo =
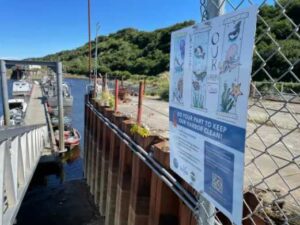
[272, 157]
[272, 161]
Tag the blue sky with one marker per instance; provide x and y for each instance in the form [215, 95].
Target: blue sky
[32, 28]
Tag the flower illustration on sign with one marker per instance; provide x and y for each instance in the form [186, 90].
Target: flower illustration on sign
[196, 85]
[226, 102]
[231, 59]
[236, 91]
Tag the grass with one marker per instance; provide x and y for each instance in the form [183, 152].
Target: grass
[159, 86]
[141, 130]
[106, 98]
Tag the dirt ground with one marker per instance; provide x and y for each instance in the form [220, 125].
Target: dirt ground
[272, 159]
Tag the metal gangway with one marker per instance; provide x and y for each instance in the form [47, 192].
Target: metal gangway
[21, 147]
[20, 152]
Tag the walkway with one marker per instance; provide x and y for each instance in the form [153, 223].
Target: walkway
[35, 111]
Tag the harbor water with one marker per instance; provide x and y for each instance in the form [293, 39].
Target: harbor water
[57, 187]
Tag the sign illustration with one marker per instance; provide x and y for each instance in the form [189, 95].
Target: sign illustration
[210, 73]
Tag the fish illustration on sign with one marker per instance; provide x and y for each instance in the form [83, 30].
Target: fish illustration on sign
[233, 35]
[182, 48]
[199, 52]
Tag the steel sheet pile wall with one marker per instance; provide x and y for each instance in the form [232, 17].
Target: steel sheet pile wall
[126, 190]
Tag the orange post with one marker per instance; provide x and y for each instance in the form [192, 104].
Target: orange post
[116, 95]
[140, 103]
[145, 84]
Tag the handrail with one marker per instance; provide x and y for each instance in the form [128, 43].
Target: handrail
[20, 152]
[13, 131]
[166, 177]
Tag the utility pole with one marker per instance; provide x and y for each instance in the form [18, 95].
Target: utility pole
[89, 31]
[96, 60]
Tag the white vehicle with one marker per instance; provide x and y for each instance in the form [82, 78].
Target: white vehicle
[22, 88]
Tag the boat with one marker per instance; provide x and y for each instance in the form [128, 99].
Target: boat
[67, 97]
[21, 88]
[18, 73]
[55, 121]
[17, 103]
[17, 110]
[71, 136]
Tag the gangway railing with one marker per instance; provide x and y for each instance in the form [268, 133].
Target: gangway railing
[20, 151]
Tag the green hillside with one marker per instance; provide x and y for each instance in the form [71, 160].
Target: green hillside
[131, 52]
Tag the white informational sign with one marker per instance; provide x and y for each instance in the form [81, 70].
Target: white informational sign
[210, 79]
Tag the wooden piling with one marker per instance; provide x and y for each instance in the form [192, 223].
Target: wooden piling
[105, 162]
[186, 216]
[140, 184]
[89, 148]
[94, 150]
[140, 103]
[98, 157]
[86, 128]
[124, 178]
[164, 203]
[116, 95]
[113, 169]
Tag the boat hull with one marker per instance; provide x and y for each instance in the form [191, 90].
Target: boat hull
[67, 102]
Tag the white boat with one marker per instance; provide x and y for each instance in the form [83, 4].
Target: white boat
[17, 103]
[22, 88]
[17, 110]
[67, 96]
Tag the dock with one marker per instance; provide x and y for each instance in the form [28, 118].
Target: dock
[36, 113]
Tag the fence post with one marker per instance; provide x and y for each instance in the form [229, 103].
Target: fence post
[207, 211]
[104, 83]
[215, 8]
[116, 95]
[60, 106]
[4, 93]
[140, 103]
[145, 83]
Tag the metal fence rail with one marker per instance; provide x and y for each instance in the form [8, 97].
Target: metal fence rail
[20, 151]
